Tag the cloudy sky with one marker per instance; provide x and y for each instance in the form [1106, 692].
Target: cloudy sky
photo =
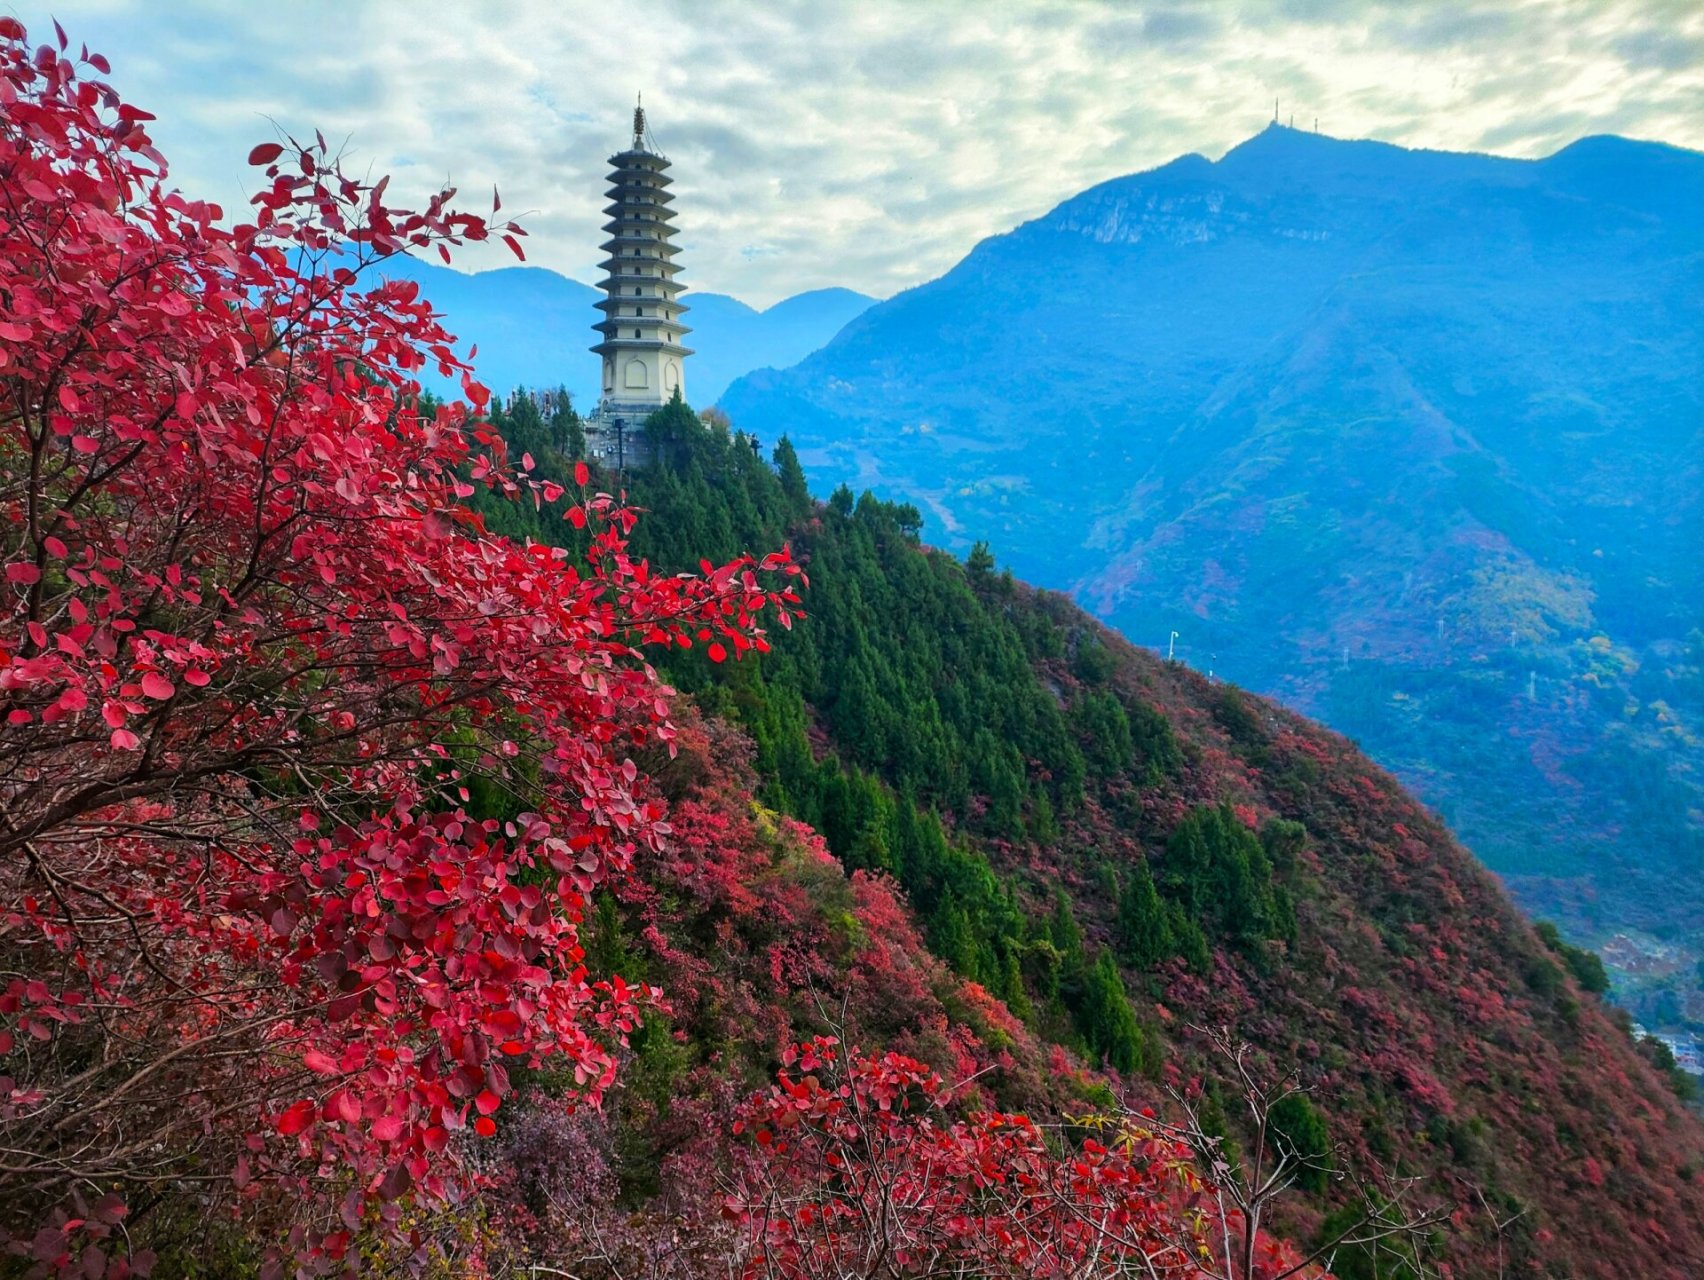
[860, 143]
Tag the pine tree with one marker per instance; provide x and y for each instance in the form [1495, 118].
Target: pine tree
[1144, 936]
[793, 486]
[1299, 1134]
[950, 937]
[566, 430]
[1106, 1019]
[1187, 938]
[1064, 932]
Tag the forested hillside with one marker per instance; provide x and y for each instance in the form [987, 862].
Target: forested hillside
[1409, 439]
[1124, 852]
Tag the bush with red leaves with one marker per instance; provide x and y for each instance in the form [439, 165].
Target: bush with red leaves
[304, 776]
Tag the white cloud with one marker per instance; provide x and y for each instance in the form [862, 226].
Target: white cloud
[865, 144]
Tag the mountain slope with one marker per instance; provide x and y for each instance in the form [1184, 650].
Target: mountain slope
[1057, 806]
[533, 328]
[1410, 439]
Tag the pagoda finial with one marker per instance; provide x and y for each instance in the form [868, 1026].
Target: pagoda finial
[639, 124]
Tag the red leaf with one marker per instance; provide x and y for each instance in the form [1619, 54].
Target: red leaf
[265, 153]
[396, 1182]
[296, 1118]
[582, 474]
[485, 1126]
[22, 572]
[321, 1062]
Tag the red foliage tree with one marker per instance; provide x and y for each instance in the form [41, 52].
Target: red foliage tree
[257, 658]
[863, 1174]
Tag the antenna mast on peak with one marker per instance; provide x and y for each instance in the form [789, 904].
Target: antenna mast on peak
[639, 123]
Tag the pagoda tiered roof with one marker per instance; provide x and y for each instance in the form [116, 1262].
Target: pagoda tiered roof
[639, 274]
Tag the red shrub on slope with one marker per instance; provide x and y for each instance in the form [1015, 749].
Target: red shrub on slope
[254, 649]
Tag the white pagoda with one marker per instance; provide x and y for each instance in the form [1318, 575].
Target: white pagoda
[643, 360]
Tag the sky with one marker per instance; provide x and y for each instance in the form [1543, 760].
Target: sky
[864, 144]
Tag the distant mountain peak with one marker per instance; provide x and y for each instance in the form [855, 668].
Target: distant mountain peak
[1278, 135]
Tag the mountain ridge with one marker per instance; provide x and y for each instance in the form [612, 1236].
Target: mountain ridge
[1419, 454]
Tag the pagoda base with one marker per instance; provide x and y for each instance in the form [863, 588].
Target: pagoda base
[615, 434]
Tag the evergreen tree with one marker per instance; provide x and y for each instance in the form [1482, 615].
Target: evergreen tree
[1217, 872]
[1299, 1134]
[1064, 932]
[1187, 938]
[674, 431]
[979, 564]
[793, 487]
[567, 433]
[1144, 935]
[1105, 732]
[1106, 1019]
[950, 938]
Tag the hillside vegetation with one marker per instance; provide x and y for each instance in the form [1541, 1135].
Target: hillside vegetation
[1119, 850]
[1408, 439]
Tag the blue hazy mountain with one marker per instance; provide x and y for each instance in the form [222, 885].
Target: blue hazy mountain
[533, 327]
[731, 339]
[1413, 439]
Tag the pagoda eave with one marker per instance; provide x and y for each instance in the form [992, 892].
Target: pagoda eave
[635, 344]
[616, 265]
[650, 242]
[608, 303]
[613, 329]
[656, 285]
[644, 191]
